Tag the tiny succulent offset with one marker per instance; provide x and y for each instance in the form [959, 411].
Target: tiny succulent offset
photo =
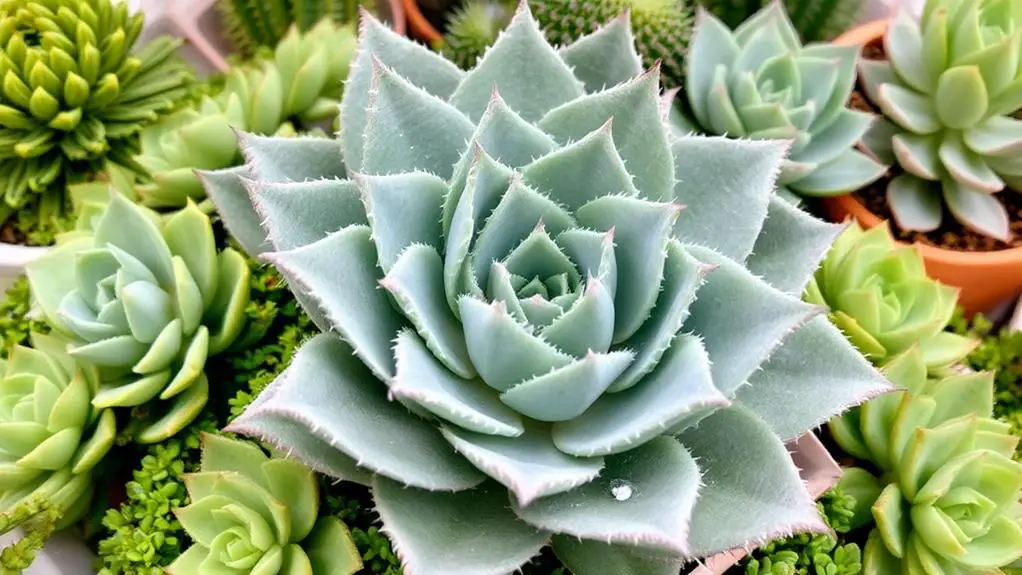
[147, 301]
[521, 325]
[51, 435]
[72, 92]
[947, 500]
[760, 82]
[948, 90]
[252, 514]
[879, 295]
[301, 81]
[662, 28]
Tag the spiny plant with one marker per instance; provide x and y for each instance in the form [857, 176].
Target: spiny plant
[250, 513]
[879, 295]
[760, 82]
[472, 28]
[538, 328]
[300, 84]
[946, 498]
[662, 28]
[948, 89]
[51, 436]
[251, 24]
[815, 20]
[147, 301]
[72, 92]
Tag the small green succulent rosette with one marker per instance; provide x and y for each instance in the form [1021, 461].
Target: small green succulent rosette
[948, 90]
[760, 82]
[51, 436]
[879, 295]
[299, 81]
[947, 497]
[526, 341]
[72, 92]
[255, 515]
[147, 301]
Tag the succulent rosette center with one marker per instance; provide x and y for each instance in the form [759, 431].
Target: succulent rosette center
[515, 305]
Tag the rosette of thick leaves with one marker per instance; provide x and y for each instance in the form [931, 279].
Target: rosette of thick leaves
[516, 306]
[250, 514]
[948, 499]
[760, 82]
[948, 89]
[72, 91]
[147, 301]
[299, 81]
[879, 295]
[51, 436]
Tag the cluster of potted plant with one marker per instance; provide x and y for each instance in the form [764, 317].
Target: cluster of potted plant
[547, 294]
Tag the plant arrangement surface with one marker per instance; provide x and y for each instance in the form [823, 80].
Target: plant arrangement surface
[506, 287]
[760, 82]
[948, 87]
[73, 95]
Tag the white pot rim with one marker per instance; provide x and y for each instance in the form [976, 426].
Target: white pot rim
[18, 255]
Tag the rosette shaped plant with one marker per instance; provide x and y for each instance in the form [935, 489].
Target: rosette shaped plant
[146, 300]
[879, 295]
[522, 326]
[947, 501]
[51, 436]
[299, 83]
[760, 82]
[72, 92]
[250, 514]
[948, 88]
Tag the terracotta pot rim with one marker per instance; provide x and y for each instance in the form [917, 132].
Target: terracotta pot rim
[863, 35]
[418, 25]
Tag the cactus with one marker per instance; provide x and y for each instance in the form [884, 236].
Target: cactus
[147, 301]
[947, 497]
[471, 29]
[73, 94]
[51, 436]
[815, 20]
[253, 515]
[662, 28]
[879, 295]
[521, 326]
[760, 82]
[251, 24]
[948, 91]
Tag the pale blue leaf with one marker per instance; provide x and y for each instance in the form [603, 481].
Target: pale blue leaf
[273, 159]
[403, 209]
[295, 214]
[606, 57]
[229, 195]
[587, 557]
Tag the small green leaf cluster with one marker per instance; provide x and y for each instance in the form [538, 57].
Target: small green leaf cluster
[813, 554]
[38, 516]
[144, 536]
[15, 324]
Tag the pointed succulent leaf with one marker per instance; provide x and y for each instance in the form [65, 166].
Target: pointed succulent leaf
[588, 57]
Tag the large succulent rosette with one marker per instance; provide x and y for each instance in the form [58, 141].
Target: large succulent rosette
[530, 294]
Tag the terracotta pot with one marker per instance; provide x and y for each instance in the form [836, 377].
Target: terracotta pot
[418, 25]
[985, 278]
[198, 22]
[817, 468]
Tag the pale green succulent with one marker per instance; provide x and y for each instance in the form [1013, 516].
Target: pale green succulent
[760, 82]
[946, 501]
[72, 92]
[522, 327]
[879, 295]
[51, 436]
[250, 514]
[948, 89]
[146, 300]
[300, 82]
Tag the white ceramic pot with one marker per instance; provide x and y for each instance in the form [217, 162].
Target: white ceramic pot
[12, 262]
[64, 554]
